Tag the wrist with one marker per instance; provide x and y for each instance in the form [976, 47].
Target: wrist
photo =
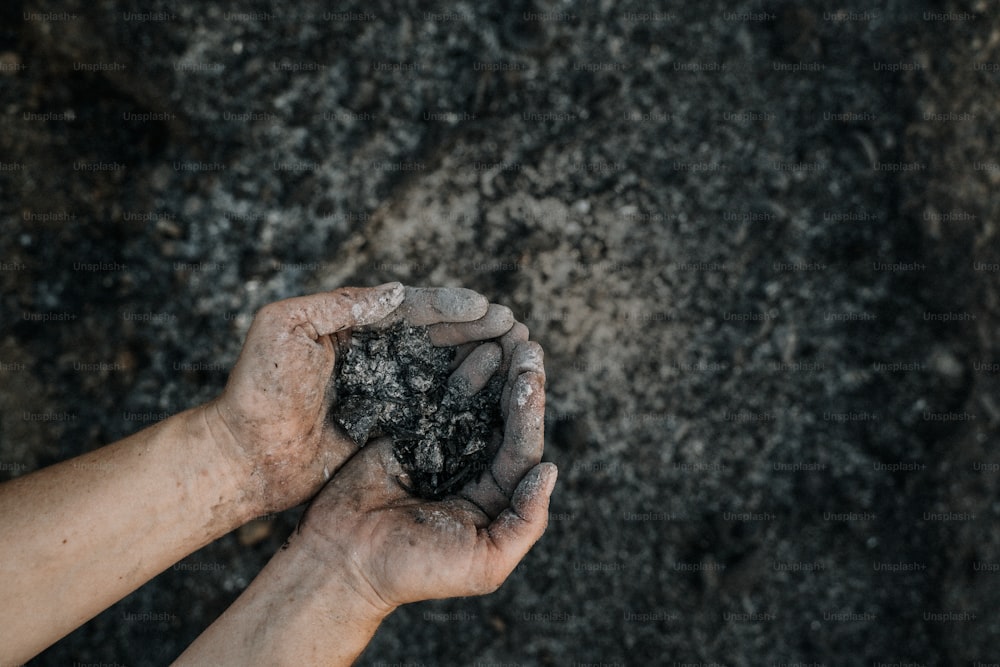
[332, 569]
[208, 434]
[307, 605]
[296, 611]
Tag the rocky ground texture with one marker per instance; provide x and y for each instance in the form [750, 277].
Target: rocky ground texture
[758, 243]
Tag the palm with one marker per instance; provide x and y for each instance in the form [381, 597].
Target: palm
[275, 404]
[410, 549]
[423, 552]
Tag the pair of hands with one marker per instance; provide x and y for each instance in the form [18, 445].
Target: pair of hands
[272, 422]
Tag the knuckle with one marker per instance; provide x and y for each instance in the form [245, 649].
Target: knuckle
[272, 311]
[491, 582]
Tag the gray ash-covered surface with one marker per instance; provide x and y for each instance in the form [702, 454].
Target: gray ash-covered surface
[757, 242]
[395, 384]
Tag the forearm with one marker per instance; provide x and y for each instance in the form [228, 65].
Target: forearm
[298, 611]
[80, 535]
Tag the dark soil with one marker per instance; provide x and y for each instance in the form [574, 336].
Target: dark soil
[735, 234]
[394, 383]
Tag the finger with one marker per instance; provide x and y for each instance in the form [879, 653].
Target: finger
[486, 495]
[514, 532]
[461, 352]
[467, 513]
[376, 473]
[477, 369]
[509, 341]
[497, 321]
[329, 312]
[524, 432]
[432, 305]
[339, 447]
[527, 357]
[524, 437]
[341, 341]
[517, 334]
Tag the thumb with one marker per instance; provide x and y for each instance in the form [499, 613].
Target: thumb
[519, 526]
[329, 312]
[376, 473]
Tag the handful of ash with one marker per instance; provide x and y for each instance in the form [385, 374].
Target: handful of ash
[394, 383]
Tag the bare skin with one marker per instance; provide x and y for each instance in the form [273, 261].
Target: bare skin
[275, 405]
[365, 546]
[82, 534]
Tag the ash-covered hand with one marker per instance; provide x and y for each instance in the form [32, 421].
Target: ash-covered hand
[272, 416]
[396, 548]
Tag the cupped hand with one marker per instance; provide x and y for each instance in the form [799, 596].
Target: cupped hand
[272, 416]
[398, 548]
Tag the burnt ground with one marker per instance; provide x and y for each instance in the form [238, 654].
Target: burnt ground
[757, 242]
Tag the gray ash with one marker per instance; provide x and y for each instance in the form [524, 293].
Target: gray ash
[394, 383]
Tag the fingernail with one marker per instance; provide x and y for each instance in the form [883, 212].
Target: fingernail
[504, 317]
[552, 473]
[391, 294]
[529, 356]
[404, 482]
[393, 286]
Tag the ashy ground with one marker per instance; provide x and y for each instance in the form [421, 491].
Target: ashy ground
[758, 243]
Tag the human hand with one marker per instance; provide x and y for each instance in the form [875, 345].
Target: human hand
[395, 548]
[271, 419]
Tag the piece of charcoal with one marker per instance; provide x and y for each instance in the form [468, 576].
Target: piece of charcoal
[394, 383]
